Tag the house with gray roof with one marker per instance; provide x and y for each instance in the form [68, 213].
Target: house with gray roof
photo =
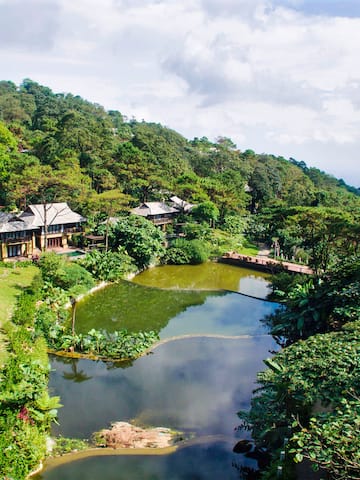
[16, 237]
[40, 226]
[181, 205]
[158, 213]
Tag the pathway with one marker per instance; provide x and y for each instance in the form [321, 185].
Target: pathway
[263, 262]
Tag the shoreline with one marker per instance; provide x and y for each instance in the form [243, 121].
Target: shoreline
[53, 462]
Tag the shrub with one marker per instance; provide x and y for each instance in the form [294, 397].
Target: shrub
[109, 266]
[184, 251]
[74, 275]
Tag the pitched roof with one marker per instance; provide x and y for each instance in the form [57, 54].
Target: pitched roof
[153, 208]
[11, 223]
[182, 204]
[55, 213]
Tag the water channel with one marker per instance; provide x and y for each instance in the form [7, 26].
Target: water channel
[195, 381]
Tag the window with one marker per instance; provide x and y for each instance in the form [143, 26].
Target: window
[14, 250]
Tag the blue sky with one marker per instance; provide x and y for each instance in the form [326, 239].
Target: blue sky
[342, 8]
[276, 76]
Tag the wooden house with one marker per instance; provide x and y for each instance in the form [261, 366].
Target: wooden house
[40, 226]
[158, 213]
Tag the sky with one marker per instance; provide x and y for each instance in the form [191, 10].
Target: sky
[275, 76]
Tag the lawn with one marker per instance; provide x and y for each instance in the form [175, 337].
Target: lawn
[224, 242]
[12, 280]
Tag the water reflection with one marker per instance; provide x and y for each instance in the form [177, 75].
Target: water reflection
[171, 312]
[134, 307]
[200, 462]
[195, 385]
[208, 276]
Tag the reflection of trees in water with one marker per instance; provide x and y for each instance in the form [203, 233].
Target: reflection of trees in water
[136, 307]
[118, 364]
[74, 375]
[248, 450]
[247, 473]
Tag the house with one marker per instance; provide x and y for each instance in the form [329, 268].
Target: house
[55, 223]
[181, 205]
[40, 226]
[16, 237]
[158, 213]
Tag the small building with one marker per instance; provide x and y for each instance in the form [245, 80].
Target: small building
[181, 205]
[17, 238]
[158, 213]
[40, 226]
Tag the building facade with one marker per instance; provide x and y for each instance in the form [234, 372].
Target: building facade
[39, 227]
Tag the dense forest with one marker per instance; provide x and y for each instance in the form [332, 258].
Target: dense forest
[60, 147]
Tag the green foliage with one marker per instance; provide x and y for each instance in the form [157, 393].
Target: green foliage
[50, 264]
[309, 393]
[25, 311]
[119, 345]
[199, 231]
[301, 376]
[74, 275]
[318, 306]
[184, 251]
[206, 212]
[140, 238]
[283, 282]
[65, 445]
[235, 224]
[26, 409]
[61, 273]
[108, 266]
[331, 440]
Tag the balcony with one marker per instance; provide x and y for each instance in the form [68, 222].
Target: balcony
[15, 241]
[162, 220]
[73, 229]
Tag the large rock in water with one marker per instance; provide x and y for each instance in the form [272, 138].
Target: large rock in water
[125, 435]
[243, 446]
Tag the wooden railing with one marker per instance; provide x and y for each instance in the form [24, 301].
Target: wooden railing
[73, 230]
[14, 240]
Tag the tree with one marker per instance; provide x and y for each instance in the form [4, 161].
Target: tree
[206, 212]
[141, 239]
[318, 306]
[110, 203]
[323, 232]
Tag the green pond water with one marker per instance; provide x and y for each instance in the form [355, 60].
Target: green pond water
[207, 276]
[179, 310]
[194, 384]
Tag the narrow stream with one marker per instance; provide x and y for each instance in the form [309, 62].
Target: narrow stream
[195, 384]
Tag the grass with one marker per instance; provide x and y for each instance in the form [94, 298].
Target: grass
[12, 280]
[222, 242]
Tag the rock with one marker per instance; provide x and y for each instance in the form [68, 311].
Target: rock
[243, 446]
[125, 435]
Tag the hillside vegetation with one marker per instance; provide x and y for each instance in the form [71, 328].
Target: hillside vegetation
[59, 146]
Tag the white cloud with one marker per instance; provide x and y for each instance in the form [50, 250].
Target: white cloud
[281, 76]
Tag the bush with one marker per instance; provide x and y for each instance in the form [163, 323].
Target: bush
[24, 314]
[235, 225]
[315, 382]
[62, 273]
[187, 252]
[109, 266]
[26, 410]
[74, 275]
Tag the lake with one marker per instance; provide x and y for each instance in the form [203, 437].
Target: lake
[195, 381]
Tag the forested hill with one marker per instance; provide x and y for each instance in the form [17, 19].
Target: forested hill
[62, 147]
